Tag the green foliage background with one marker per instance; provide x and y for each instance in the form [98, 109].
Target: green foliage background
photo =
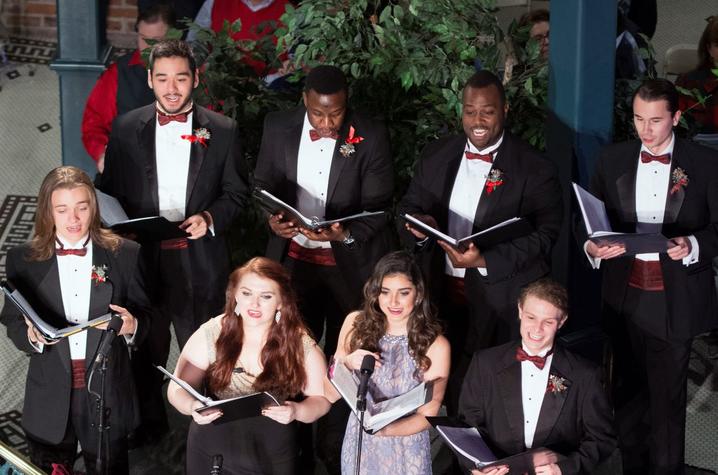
[406, 61]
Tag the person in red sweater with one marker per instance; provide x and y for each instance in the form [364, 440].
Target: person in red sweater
[255, 16]
[125, 80]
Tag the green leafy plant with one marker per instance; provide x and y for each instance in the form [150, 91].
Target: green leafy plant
[406, 60]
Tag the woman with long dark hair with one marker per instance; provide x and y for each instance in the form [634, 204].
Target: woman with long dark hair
[258, 343]
[396, 325]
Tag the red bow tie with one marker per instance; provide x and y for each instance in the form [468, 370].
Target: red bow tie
[648, 158]
[165, 119]
[488, 157]
[539, 361]
[314, 135]
[61, 251]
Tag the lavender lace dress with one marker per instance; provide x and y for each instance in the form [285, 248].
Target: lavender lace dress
[406, 455]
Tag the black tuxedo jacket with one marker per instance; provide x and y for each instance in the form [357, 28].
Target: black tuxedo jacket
[531, 190]
[363, 181]
[692, 210]
[576, 422]
[217, 182]
[49, 378]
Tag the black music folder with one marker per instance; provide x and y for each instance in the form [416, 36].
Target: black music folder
[598, 228]
[241, 407]
[48, 331]
[491, 236]
[274, 205]
[150, 228]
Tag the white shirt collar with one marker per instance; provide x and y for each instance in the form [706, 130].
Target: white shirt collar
[255, 7]
[541, 353]
[490, 149]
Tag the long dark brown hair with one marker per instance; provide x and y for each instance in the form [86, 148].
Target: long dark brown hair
[282, 356]
[42, 245]
[708, 38]
[371, 323]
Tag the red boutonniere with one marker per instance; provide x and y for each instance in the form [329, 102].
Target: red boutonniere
[200, 136]
[99, 274]
[494, 179]
[347, 149]
[556, 384]
[679, 179]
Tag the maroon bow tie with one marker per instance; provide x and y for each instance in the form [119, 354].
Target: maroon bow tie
[539, 361]
[314, 135]
[488, 157]
[648, 158]
[165, 119]
[61, 251]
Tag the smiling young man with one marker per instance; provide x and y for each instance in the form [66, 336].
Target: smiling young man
[469, 182]
[535, 393]
[156, 164]
[654, 304]
[330, 162]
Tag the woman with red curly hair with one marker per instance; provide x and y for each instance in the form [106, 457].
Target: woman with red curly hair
[258, 343]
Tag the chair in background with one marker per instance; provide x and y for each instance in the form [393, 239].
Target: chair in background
[680, 59]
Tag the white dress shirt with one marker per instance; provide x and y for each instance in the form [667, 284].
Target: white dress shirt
[465, 196]
[75, 285]
[172, 152]
[653, 181]
[534, 382]
[314, 161]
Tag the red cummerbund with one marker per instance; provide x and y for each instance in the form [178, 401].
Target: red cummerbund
[174, 244]
[78, 374]
[455, 290]
[646, 275]
[320, 256]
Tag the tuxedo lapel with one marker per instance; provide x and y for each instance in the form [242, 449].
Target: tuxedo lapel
[626, 186]
[556, 394]
[147, 153]
[455, 155]
[509, 384]
[51, 281]
[197, 150]
[339, 160]
[292, 138]
[100, 298]
[674, 200]
[502, 163]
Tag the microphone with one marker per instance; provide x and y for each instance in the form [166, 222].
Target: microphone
[216, 464]
[112, 328]
[367, 368]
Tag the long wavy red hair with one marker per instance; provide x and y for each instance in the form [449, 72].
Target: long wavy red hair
[282, 356]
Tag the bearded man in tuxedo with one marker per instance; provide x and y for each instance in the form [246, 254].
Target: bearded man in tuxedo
[184, 162]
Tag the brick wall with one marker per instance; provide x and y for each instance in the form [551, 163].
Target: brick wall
[37, 19]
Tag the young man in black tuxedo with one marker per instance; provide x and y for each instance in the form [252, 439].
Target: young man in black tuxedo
[654, 304]
[463, 184]
[330, 162]
[179, 160]
[535, 393]
[71, 272]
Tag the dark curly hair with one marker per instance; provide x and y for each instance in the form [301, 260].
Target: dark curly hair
[371, 324]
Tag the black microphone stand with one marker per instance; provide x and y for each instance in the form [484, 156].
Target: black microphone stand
[101, 412]
[361, 407]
